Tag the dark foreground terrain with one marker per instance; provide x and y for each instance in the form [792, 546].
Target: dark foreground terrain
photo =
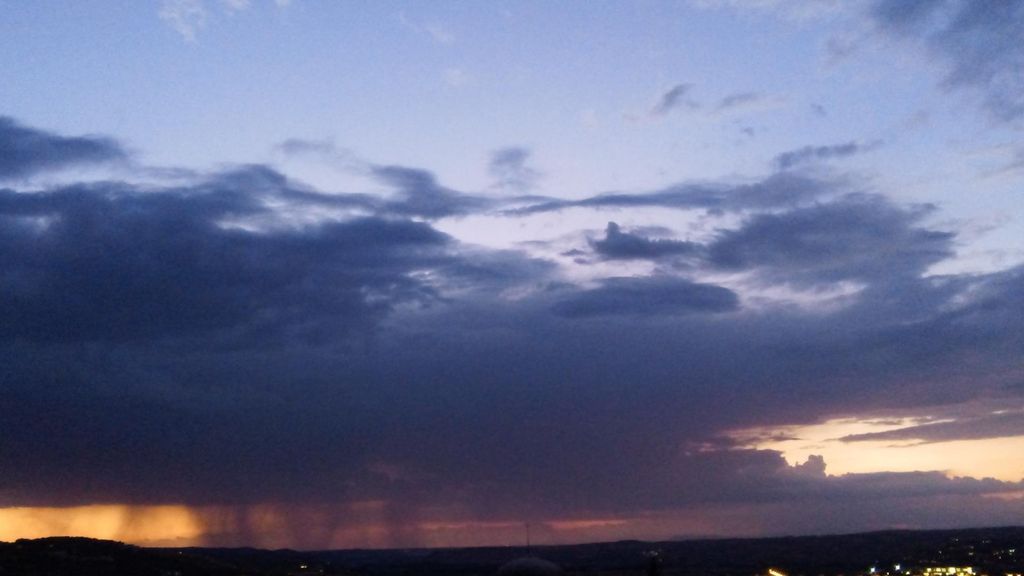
[990, 551]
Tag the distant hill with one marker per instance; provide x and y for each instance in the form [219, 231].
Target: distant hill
[991, 551]
[65, 556]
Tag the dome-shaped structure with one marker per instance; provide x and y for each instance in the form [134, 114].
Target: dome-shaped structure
[529, 567]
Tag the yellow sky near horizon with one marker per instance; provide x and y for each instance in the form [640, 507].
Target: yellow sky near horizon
[998, 458]
[126, 523]
[358, 525]
[373, 524]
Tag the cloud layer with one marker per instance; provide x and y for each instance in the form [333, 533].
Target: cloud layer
[243, 339]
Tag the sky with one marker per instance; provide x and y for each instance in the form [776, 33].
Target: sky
[328, 275]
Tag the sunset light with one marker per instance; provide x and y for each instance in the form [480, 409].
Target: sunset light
[616, 287]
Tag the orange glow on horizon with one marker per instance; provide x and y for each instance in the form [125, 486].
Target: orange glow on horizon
[365, 524]
[584, 524]
[980, 458]
[137, 524]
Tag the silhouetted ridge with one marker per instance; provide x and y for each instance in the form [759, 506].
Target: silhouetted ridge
[991, 551]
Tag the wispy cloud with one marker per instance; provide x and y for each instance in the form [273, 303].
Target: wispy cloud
[510, 169]
[439, 33]
[237, 5]
[325, 151]
[673, 98]
[782, 189]
[680, 97]
[808, 154]
[436, 31]
[747, 102]
[186, 17]
[189, 17]
[457, 77]
[798, 10]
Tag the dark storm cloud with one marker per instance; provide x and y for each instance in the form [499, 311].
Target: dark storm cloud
[510, 170]
[946, 318]
[673, 98]
[487, 404]
[105, 262]
[647, 297]
[767, 478]
[858, 237]
[783, 189]
[244, 340]
[26, 151]
[619, 245]
[977, 41]
[792, 158]
[622, 395]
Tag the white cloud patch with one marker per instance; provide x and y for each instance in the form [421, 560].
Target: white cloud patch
[237, 5]
[436, 31]
[186, 17]
[439, 33]
[189, 17]
[456, 77]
